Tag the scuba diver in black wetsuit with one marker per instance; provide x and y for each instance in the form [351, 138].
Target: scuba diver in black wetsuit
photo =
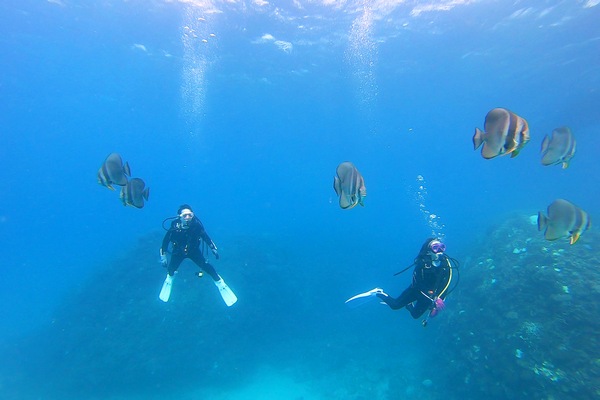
[187, 234]
[189, 239]
[430, 283]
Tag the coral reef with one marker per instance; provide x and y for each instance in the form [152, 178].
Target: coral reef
[524, 320]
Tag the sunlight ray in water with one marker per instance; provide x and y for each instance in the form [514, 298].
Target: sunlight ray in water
[195, 36]
[361, 54]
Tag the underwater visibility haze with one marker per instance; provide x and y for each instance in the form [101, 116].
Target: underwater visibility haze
[244, 110]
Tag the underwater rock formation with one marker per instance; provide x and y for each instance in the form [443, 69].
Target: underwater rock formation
[112, 335]
[524, 321]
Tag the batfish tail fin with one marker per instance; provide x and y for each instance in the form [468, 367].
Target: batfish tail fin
[575, 237]
[126, 169]
[542, 221]
[477, 138]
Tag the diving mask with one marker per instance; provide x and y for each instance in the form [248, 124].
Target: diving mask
[437, 247]
[186, 215]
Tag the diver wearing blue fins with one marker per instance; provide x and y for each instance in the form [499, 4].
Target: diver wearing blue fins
[189, 239]
[430, 284]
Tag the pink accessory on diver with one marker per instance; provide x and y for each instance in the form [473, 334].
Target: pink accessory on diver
[437, 247]
[438, 307]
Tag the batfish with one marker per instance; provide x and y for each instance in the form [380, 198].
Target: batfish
[564, 220]
[558, 148]
[134, 193]
[113, 171]
[504, 132]
[349, 185]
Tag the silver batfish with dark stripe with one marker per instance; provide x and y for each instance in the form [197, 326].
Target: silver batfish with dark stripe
[504, 132]
[558, 148]
[134, 193]
[564, 219]
[349, 185]
[113, 171]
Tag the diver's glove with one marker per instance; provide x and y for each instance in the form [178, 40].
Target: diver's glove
[438, 307]
[163, 259]
[439, 304]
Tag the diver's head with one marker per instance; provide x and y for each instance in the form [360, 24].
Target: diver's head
[431, 251]
[185, 214]
[184, 207]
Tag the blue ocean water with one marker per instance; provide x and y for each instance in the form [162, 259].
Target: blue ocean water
[244, 110]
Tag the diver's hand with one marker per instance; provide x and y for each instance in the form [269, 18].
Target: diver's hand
[439, 304]
[163, 260]
[216, 253]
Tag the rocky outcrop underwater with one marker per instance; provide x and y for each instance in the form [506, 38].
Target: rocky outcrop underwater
[525, 319]
[522, 323]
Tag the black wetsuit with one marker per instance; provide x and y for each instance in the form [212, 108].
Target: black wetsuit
[428, 283]
[187, 244]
